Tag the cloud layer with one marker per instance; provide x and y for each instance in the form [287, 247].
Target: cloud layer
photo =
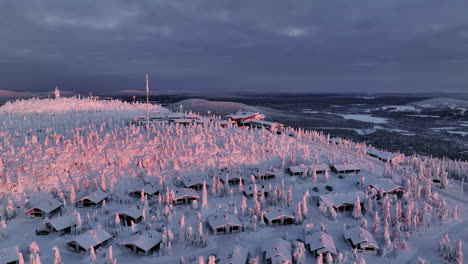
[264, 45]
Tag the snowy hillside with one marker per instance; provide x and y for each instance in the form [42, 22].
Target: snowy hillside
[81, 183]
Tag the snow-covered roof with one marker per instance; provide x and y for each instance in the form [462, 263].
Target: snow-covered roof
[8, 255]
[47, 207]
[182, 193]
[265, 123]
[276, 212]
[244, 115]
[278, 250]
[182, 120]
[346, 167]
[175, 115]
[223, 122]
[133, 211]
[221, 220]
[236, 255]
[233, 177]
[382, 154]
[308, 168]
[191, 181]
[298, 169]
[360, 236]
[322, 242]
[96, 196]
[192, 116]
[61, 222]
[147, 189]
[249, 188]
[145, 240]
[336, 200]
[91, 238]
[386, 184]
[202, 121]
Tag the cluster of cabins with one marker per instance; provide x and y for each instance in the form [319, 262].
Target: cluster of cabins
[384, 156]
[256, 120]
[148, 241]
[241, 118]
[176, 118]
[307, 170]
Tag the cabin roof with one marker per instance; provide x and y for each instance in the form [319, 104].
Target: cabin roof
[145, 240]
[48, 207]
[322, 242]
[181, 193]
[91, 238]
[359, 235]
[133, 211]
[386, 184]
[278, 249]
[61, 222]
[249, 188]
[265, 123]
[9, 254]
[147, 189]
[221, 220]
[190, 181]
[346, 167]
[236, 255]
[382, 154]
[336, 200]
[244, 115]
[96, 196]
[275, 212]
[309, 168]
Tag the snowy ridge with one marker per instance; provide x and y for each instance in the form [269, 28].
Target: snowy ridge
[72, 104]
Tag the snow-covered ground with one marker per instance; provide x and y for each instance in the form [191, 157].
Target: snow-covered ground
[69, 148]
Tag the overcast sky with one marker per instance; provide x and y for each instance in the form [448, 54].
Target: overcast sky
[226, 45]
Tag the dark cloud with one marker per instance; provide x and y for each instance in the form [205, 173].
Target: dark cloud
[268, 45]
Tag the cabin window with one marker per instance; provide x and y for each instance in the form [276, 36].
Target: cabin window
[219, 230]
[235, 228]
[275, 221]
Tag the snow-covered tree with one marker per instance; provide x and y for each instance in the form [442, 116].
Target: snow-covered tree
[212, 260]
[329, 258]
[92, 256]
[332, 213]
[3, 230]
[357, 214]
[459, 253]
[304, 205]
[364, 223]
[34, 253]
[298, 219]
[104, 208]
[204, 196]
[320, 258]
[323, 208]
[20, 258]
[182, 229]
[244, 205]
[299, 253]
[58, 259]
